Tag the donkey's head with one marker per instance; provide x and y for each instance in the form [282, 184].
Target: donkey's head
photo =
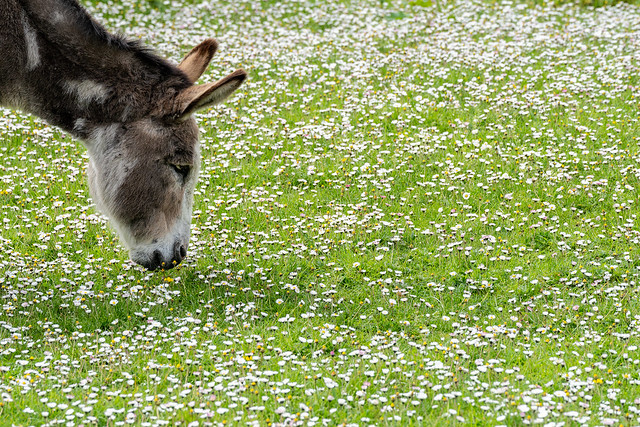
[142, 172]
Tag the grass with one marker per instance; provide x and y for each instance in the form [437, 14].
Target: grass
[411, 214]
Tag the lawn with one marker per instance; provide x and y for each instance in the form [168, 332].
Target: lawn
[413, 213]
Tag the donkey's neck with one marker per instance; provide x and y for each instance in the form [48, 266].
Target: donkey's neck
[69, 99]
[76, 75]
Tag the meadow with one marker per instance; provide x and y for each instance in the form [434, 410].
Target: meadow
[413, 213]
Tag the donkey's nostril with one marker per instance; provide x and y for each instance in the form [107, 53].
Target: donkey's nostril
[156, 260]
[179, 252]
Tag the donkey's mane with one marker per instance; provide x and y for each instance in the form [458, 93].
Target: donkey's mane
[80, 28]
[118, 41]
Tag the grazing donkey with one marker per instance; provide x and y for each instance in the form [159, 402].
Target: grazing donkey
[132, 110]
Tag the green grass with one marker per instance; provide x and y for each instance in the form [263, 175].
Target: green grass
[411, 214]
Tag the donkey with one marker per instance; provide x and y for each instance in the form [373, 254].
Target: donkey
[131, 109]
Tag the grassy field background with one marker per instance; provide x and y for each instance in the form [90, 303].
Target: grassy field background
[413, 213]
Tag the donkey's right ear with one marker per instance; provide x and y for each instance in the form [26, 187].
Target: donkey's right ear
[195, 98]
[196, 61]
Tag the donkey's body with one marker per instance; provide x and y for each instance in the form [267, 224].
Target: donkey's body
[131, 108]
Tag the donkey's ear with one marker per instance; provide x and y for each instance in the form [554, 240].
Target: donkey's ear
[197, 97]
[198, 59]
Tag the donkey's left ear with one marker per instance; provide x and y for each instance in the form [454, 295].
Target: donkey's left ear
[195, 98]
[196, 61]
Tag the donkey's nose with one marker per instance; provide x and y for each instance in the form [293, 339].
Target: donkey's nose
[152, 263]
[159, 260]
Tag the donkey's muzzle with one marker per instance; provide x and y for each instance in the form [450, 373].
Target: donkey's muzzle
[159, 261]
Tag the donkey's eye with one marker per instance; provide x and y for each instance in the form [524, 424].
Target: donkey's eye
[182, 170]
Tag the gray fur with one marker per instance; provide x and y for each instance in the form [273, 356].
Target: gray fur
[87, 92]
[131, 108]
[31, 42]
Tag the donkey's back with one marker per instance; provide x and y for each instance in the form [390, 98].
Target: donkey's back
[131, 108]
